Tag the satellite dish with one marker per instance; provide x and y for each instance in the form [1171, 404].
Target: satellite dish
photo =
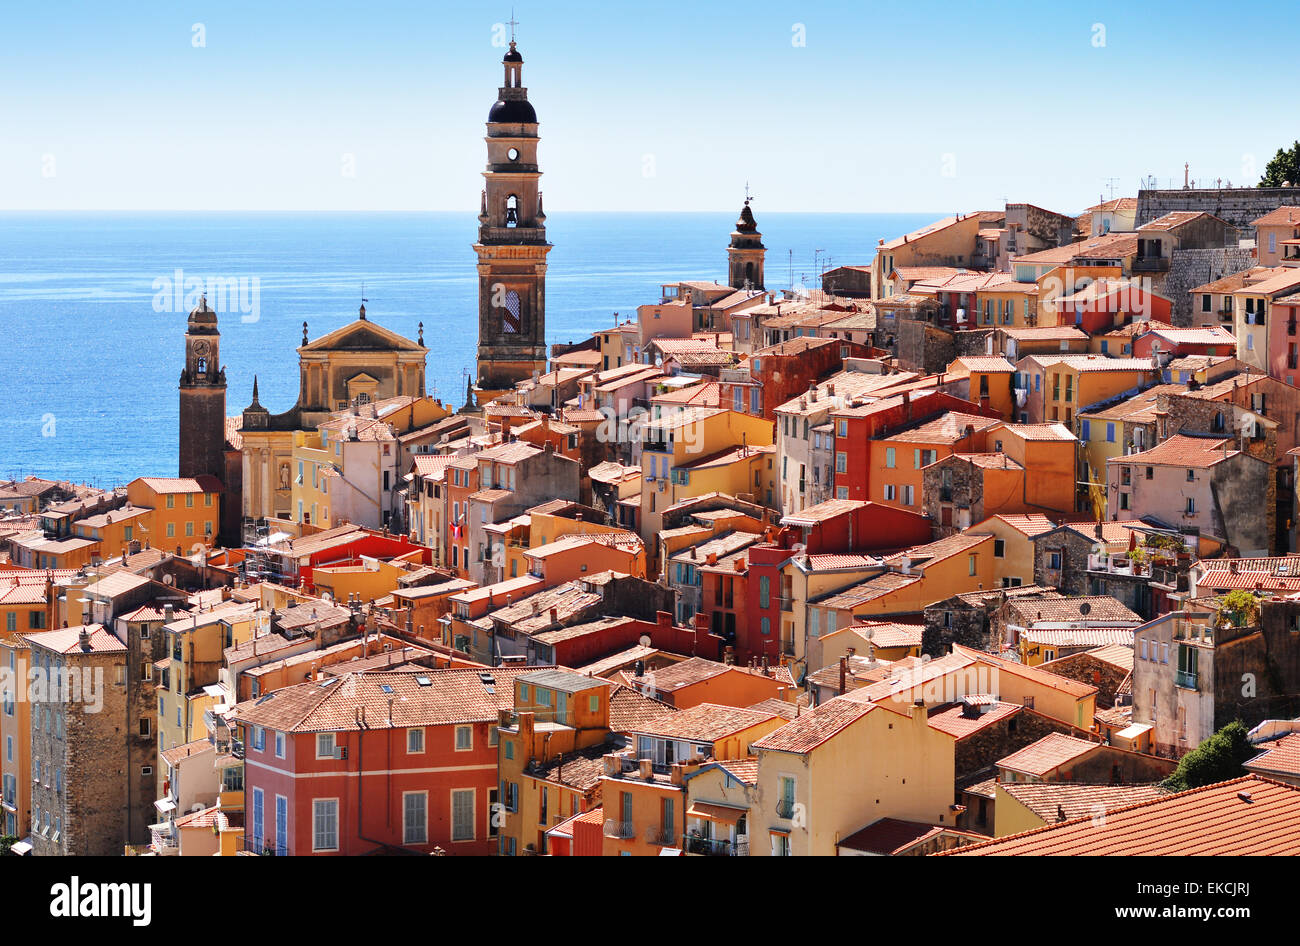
[645, 640]
[1085, 609]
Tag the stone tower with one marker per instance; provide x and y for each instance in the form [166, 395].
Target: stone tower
[511, 243]
[746, 252]
[203, 398]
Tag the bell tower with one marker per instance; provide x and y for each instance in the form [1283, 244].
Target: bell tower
[746, 252]
[511, 243]
[203, 398]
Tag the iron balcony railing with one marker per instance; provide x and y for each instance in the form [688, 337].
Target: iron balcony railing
[1186, 679]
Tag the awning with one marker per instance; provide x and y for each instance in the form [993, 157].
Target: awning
[165, 805]
[723, 813]
[21, 848]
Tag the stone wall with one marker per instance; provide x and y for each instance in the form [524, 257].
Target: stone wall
[1086, 668]
[923, 347]
[1191, 268]
[984, 748]
[1072, 577]
[953, 621]
[1237, 205]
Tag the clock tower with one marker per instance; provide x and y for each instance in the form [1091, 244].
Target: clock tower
[511, 243]
[203, 398]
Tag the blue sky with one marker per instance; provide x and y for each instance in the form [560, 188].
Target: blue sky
[913, 106]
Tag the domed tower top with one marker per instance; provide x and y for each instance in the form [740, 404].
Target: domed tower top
[203, 320]
[512, 106]
[746, 251]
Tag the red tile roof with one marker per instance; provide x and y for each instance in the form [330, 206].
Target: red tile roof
[959, 722]
[67, 640]
[1280, 757]
[815, 727]
[1051, 752]
[1242, 817]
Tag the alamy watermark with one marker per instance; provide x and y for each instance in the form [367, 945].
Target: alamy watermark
[225, 294]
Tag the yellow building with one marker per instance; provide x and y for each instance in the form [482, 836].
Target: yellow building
[548, 754]
[186, 682]
[702, 450]
[1060, 386]
[373, 578]
[116, 529]
[186, 512]
[1013, 547]
[816, 787]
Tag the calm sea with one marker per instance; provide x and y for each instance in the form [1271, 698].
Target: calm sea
[90, 368]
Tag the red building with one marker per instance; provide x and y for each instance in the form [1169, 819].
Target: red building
[782, 372]
[375, 762]
[1107, 303]
[856, 426]
[1213, 340]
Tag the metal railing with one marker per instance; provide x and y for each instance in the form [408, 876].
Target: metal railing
[785, 809]
[1186, 679]
[624, 830]
[714, 847]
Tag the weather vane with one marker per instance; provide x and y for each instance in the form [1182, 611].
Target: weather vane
[513, 24]
[748, 195]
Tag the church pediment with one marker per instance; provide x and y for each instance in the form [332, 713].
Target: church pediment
[361, 335]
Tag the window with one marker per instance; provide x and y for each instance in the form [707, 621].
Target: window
[415, 741]
[258, 814]
[844, 428]
[1191, 476]
[908, 495]
[279, 745]
[1110, 433]
[764, 592]
[325, 745]
[259, 734]
[890, 492]
[1191, 506]
[973, 561]
[841, 463]
[889, 458]
[324, 824]
[281, 825]
[462, 814]
[464, 738]
[999, 548]
[415, 817]
[1054, 561]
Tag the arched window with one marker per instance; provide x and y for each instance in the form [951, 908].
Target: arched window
[512, 211]
[1218, 421]
[202, 365]
[512, 322]
[749, 274]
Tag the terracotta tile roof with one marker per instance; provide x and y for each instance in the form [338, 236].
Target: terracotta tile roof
[742, 770]
[1030, 524]
[1182, 451]
[866, 591]
[959, 722]
[1045, 333]
[779, 707]
[175, 754]
[705, 722]
[1078, 637]
[1093, 362]
[630, 710]
[1213, 820]
[1044, 677]
[946, 429]
[1280, 757]
[891, 836]
[834, 561]
[807, 732]
[1062, 609]
[890, 634]
[985, 461]
[1273, 574]
[67, 640]
[437, 697]
[1051, 752]
[176, 485]
[1285, 216]
[1117, 655]
[1064, 801]
[940, 549]
[581, 770]
[821, 512]
[986, 364]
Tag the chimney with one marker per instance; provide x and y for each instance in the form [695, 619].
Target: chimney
[739, 564]
[844, 671]
[713, 558]
[83, 640]
[646, 768]
[555, 615]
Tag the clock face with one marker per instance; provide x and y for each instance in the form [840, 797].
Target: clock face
[200, 348]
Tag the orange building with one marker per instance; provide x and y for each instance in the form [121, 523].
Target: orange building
[897, 460]
[186, 511]
[698, 680]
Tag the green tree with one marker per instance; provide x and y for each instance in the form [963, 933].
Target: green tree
[1217, 759]
[6, 842]
[1284, 167]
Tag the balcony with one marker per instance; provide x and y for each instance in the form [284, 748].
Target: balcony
[787, 602]
[785, 809]
[1150, 264]
[659, 835]
[787, 648]
[710, 847]
[1187, 679]
[622, 830]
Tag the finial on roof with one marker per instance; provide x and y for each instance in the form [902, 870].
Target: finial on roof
[421, 338]
[254, 389]
[304, 332]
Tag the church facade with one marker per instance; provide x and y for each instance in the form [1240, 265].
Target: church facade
[358, 364]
